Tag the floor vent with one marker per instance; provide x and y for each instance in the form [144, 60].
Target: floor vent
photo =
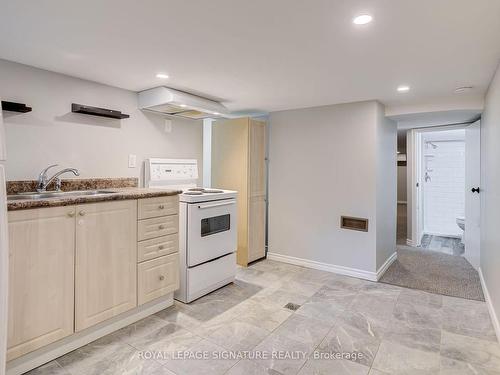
[291, 306]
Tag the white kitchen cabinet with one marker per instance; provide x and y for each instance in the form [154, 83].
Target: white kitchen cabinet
[160, 206]
[157, 227]
[41, 278]
[158, 277]
[156, 247]
[106, 261]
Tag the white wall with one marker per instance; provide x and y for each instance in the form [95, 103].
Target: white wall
[444, 193]
[490, 193]
[207, 152]
[324, 164]
[98, 147]
[386, 187]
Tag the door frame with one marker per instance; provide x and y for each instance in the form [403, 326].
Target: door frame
[472, 238]
[415, 190]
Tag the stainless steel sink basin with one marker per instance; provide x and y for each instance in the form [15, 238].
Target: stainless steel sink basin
[57, 194]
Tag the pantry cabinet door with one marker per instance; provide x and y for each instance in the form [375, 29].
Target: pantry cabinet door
[41, 278]
[106, 261]
[257, 191]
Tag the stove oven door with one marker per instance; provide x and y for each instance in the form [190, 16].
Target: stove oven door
[211, 230]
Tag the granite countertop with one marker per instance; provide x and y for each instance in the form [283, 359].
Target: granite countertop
[121, 188]
[118, 194]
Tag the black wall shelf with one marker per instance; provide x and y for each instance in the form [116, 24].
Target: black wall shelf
[15, 107]
[95, 111]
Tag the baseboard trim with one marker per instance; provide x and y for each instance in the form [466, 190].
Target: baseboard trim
[341, 270]
[386, 265]
[493, 314]
[410, 242]
[441, 234]
[52, 351]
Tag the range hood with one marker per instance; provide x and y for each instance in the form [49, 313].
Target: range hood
[177, 103]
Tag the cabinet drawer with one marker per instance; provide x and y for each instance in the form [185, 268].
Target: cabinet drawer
[157, 277]
[157, 227]
[156, 247]
[155, 207]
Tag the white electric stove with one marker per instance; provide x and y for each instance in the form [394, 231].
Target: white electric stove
[207, 227]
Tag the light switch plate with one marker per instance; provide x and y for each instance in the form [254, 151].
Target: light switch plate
[132, 160]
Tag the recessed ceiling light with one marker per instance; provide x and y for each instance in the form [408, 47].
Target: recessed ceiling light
[182, 105]
[462, 89]
[403, 88]
[216, 113]
[362, 19]
[162, 75]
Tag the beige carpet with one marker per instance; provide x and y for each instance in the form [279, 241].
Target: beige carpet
[434, 272]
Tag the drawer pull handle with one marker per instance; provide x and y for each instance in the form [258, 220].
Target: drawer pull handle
[81, 213]
[161, 247]
[161, 226]
[162, 277]
[71, 214]
[161, 206]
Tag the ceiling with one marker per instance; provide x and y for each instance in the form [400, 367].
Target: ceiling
[263, 55]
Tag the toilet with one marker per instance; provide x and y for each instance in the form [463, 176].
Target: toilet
[461, 224]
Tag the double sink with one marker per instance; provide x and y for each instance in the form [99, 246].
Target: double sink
[57, 194]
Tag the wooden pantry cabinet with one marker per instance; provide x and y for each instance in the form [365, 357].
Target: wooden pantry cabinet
[239, 163]
[72, 267]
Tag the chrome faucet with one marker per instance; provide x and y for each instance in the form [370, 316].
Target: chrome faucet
[44, 181]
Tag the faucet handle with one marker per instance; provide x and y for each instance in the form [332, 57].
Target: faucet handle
[43, 173]
[42, 178]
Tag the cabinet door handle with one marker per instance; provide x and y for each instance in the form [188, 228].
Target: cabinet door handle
[81, 213]
[162, 277]
[71, 214]
[161, 206]
[161, 226]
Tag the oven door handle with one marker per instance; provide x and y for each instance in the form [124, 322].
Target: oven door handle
[216, 204]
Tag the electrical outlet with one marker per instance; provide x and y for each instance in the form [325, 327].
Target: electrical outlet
[132, 159]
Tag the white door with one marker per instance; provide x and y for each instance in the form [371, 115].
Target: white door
[472, 192]
[416, 183]
[212, 230]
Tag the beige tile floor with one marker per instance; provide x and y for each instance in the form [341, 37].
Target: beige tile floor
[398, 331]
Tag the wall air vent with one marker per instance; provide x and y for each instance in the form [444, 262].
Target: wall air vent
[354, 223]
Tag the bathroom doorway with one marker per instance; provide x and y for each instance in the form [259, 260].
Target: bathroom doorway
[441, 251]
[442, 182]
[446, 190]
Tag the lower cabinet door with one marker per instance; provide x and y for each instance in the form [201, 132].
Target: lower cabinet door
[106, 261]
[256, 228]
[158, 277]
[41, 278]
